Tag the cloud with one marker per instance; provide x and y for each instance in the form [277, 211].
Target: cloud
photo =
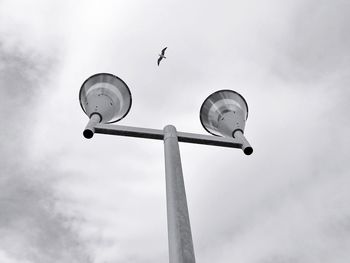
[285, 203]
[316, 43]
[32, 229]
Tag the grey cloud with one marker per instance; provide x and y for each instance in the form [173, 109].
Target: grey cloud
[291, 206]
[31, 226]
[276, 206]
[317, 42]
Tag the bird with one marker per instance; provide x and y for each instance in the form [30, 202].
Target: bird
[161, 56]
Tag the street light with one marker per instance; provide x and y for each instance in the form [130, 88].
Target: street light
[105, 99]
[224, 113]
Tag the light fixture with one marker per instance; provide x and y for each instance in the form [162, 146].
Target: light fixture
[104, 98]
[224, 113]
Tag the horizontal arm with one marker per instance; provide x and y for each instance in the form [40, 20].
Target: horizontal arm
[159, 135]
[129, 131]
[208, 140]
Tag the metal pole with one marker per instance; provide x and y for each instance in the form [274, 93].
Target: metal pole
[247, 149]
[90, 127]
[179, 229]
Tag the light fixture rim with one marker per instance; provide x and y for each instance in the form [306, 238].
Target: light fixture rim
[218, 91]
[111, 75]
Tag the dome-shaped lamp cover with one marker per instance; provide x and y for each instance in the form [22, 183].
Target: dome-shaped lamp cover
[220, 104]
[106, 95]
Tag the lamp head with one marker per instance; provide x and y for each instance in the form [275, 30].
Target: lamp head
[105, 95]
[223, 113]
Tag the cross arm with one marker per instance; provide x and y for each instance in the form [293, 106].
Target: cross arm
[239, 142]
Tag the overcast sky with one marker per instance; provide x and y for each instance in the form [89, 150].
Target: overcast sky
[67, 199]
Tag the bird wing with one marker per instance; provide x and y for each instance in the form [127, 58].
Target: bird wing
[159, 59]
[163, 51]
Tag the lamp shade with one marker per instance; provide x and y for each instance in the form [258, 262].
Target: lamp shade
[224, 112]
[106, 95]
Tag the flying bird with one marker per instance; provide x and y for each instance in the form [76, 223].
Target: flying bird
[161, 56]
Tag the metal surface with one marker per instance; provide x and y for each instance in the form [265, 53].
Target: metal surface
[179, 229]
[159, 134]
[106, 94]
[129, 131]
[229, 123]
[217, 105]
[90, 127]
[247, 149]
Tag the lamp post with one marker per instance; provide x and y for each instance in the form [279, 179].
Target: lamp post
[106, 99]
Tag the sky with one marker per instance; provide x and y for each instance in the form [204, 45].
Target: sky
[67, 199]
